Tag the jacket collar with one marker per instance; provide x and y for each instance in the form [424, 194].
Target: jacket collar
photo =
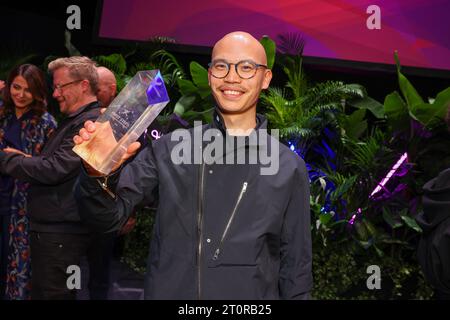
[219, 123]
[86, 107]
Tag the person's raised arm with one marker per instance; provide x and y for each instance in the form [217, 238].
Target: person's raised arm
[106, 202]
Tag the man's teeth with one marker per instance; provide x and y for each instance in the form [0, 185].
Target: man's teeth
[232, 92]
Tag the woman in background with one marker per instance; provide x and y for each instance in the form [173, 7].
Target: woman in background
[25, 126]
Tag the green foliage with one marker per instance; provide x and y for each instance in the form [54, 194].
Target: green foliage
[200, 78]
[115, 62]
[137, 242]
[354, 125]
[368, 103]
[195, 102]
[396, 111]
[339, 269]
[270, 48]
[170, 68]
[413, 106]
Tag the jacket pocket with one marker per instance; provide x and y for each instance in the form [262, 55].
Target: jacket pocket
[234, 255]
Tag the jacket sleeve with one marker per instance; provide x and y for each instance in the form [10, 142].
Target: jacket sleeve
[60, 166]
[106, 211]
[295, 280]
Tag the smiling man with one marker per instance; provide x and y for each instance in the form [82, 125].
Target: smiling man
[237, 74]
[222, 230]
[58, 238]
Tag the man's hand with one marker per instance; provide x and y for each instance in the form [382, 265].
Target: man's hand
[12, 150]
[102, 141]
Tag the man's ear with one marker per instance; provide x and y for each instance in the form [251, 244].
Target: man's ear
[113, 89]
[267, 78]
[86, 86]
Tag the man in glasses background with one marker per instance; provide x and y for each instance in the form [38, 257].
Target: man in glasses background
[222, 231]
[58, 237]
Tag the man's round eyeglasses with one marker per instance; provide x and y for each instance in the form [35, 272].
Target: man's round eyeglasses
[60, 86]
[245, 69]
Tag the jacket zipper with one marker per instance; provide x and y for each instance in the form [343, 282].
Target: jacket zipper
[199, 230]
[233, 213]
[104, 186]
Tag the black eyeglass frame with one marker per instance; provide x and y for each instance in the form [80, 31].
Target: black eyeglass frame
[228, 64]
[60, 86]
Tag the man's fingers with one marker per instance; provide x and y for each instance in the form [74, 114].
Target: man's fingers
[89, 126]
[134, 147]
[84, 134]
[102, 110]
[77, 139]
[131, 151]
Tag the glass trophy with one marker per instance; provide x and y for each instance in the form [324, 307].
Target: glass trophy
[124, 121]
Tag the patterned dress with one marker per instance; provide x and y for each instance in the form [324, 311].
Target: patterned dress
[34, 132]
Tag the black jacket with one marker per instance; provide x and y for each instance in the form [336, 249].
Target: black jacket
[221, 231]
[52, 174]
[434, 247]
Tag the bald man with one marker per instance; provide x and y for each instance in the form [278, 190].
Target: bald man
[107, 86]
[233, 220]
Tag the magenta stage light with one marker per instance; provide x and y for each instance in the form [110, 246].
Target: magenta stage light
[390, 174]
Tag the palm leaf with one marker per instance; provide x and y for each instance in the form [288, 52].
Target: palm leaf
[168, 64]
[291, 44]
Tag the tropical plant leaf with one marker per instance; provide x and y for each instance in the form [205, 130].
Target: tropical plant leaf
[368, 103]
[343, 187]
[187, 87]
[293, 69]
[364, 154]
[140, 66]
[387, 216]
[200, 78]
[276, 100]
[432, 114]
[354, 125]
[396, 111]
[331, 91]
[410, 222]
[291, 44]
[184, 104]
[325, 218]
[409, 92]
[270, 48]
[205, 115]
[379, 252]
[354, 89]
[115, 62]
[296, 131]
[168, 64]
